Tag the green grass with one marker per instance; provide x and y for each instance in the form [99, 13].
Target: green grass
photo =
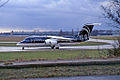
[51, 55]
[105, 37]
[7, 44]
[61, 71]
[90, 43]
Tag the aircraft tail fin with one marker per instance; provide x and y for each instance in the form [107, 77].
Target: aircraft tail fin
[86, 30]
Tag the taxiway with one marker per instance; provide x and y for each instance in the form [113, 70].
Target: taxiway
[11, 49]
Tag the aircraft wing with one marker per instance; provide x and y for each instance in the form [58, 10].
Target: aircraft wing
[59, 38]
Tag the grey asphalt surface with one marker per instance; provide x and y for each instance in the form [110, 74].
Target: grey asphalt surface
[116, 77]
[10, 49]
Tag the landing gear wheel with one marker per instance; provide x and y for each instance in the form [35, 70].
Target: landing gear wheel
[22, 48]
[57, 47]
[52, 47]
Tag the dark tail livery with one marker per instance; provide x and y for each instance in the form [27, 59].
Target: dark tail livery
[85, 32]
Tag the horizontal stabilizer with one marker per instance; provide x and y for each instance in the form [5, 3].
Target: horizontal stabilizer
[94, 24]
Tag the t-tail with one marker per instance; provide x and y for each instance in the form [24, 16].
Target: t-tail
[86, 31]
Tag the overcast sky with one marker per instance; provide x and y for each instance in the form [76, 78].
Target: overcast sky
[50, 14]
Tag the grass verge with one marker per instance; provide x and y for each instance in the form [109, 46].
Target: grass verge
[51, 55]
[7, 44]
[61, 71]
[90, 43]
[105, 37]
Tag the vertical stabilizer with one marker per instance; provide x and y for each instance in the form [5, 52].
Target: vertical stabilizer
[86, 30]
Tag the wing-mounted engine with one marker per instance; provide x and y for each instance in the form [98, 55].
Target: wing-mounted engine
[52, 42]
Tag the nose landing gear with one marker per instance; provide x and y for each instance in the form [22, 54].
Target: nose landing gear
[22, 48]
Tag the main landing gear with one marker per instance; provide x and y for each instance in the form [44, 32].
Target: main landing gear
[55, 46]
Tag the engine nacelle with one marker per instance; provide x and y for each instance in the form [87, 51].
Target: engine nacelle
[51, 42]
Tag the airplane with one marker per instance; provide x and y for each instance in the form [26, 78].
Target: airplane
[55, 41]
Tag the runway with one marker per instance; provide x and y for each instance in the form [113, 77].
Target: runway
[12, 49]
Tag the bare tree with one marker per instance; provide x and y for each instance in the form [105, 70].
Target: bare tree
[2, 3]
[112, 11]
